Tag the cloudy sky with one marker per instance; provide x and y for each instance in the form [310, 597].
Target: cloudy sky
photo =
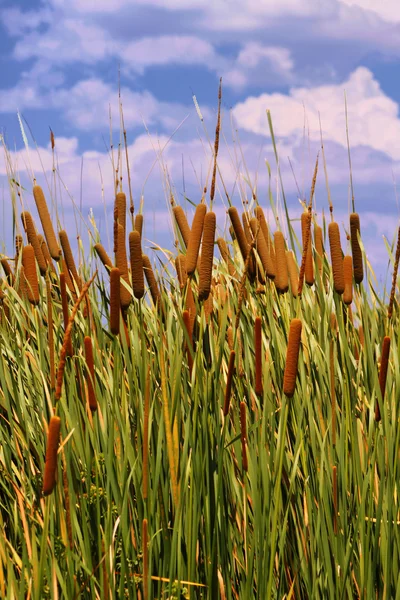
[61, 61]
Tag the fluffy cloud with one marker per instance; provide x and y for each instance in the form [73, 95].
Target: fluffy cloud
[388, 10]
[256, 63]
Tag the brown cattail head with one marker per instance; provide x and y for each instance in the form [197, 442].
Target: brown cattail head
[383, 374]
[355, 247]
[207, 255]
[224, 250]
[239, 232]
[336, 257]
[309, 267]
[135, 248]
[265, 231]
[46, 253]
[281, 277]
[182, 223]
[228, 389]
[122, 264]
[8, 271]
[348, 279]
[120, 208]
[319, 247]
[47, 225]
[151, 280]
[195, 238]
[258, 356]
[29, 264]
[139, 224]
[115, 300]
[293, 272]
[262, 248]
[103, 256]
[30, 230]
[246, 227]
[90, 373]
[50, 468]
[69, 257]
[180, 265]
[19, 242]
[64, 304]
[292, 357]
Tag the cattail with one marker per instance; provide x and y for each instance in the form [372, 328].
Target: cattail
[139, 224]
[120, 206]
[50, 468]
[145, 560]
[355, 247]
[182, 223]
[239, 233]
[270, 246]
[293, 272]
[258, 356]
[224, 250]
[50, 332]
[45, 252]
[189, 349]
[196, 232]
[30, 230]
[47, 225]
[229, 337]
[383, 374]
[334, 324]
[64, 304]
[151, 280]
[262, 248]
[90, 373]
[68, 280]
[281, 270]
[394, 278]
[190, 305]
[246, 227]
[121, 262]
[22, 288]
[19, 242]
[135, 248]
[29, 264]
[319, 248]
[180, 265]
[348, 279]
[7, 270]
[309, 267]
[292, 357]
[243, 435]
[69, 258]
[115, 300]
[146, 412]
[228, 389]
[103, 256]
[336, 257]
[207, 255]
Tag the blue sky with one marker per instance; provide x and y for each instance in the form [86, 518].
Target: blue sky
[60, 62]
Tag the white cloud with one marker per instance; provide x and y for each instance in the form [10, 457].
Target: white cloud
[389, 10]
[373, 117]
[256, 63]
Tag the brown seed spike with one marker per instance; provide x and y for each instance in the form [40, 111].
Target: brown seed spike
[293, 272]
[139, 224]
[115, 300]
[180, 265]
[182, 223]
[319, 248]
[122, 264]
[239, 233]
[90, 377]
[336, 257]
[223, 248]
[195, 238]
[46, 253]
[309, 267]
[69, 257]
[262, 248]
[383, 374]
[348, 279]
[265, 231]
[355, 247]
[281, 277]
[47, 225]
[29, 264]
[30, 230]
[292, 358]
[120, 203]
[50, 468]
[135, 248]
[258, 356]
[207, 255]
[64, 304]
[103, 256]
[151, 280]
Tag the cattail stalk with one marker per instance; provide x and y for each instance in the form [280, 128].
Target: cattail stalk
[145, 560]
[182, 223]
[103, 256]
[335, 499]
[229, 380]
[50, 468]
[30, 230]
[64, 304]
[216, 144]
[394, 280]
[47, 225]
[115, 300]
[355, 247]
[383, 375]
[281, 276]
[258, 356]
[146, 435]
[50, 333]
[90, 376]
[292, 357]
[46, 253]
[121, 262]
[348, 279]
[336, 257]
[29, 264]
[306, 237]
[188, 344]
[270, 246]
[135, 248]
[207, 255]
[243, 435]
[332, 387]
[196, 233]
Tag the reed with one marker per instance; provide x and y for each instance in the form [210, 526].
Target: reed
[146, 416]
[47, 225]
[188, 345]
[355, 247]
[135, 248]
[50, 333]
[115, 300]
[182, 223]
[65, 311]
[348, 279]
[196, 233]
[270, 246]
[336, 257]
[30, 274]
[229, 380]
[383, 375]
[293, 272]
[145, 560]
[90, 375]
[207, 256]
[292, 358]
[121, 262]
[258, 356]
[281, 271]
[243, 436]
[103, 256]
[31, 234]
[335, 499]
[69, 258]
[306, 238]
[50, 468]
[224, 250]
[394, 279]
